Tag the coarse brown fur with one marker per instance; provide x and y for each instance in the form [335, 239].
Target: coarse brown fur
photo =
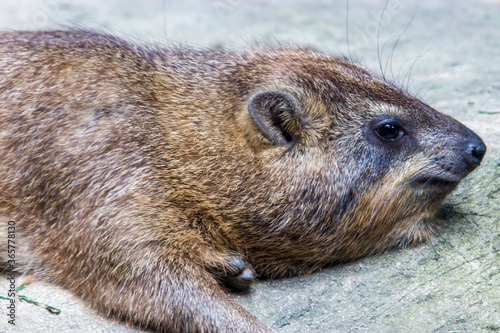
[137, 176]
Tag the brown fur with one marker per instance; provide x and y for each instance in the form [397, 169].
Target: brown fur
[135, 175]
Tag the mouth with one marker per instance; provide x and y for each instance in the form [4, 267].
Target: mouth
[438, 183]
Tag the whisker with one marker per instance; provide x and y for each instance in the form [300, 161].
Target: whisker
[347, 30]
[420, 55]
[393, 50]
[422, 186]
[378, 40]
[428, 82]
[440, 235]
[397, 189]
[434, 248]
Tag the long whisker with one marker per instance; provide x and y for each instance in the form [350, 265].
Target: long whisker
[421, 187]
[393, 50]
[378, 40]
[395, 191]
[420, 55]
[451, 246]
[347, 30]
[398, 189]
[434, 247]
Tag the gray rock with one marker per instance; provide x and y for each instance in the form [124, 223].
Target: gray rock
[447, 52]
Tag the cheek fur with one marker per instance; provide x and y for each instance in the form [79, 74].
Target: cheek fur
[393, 212]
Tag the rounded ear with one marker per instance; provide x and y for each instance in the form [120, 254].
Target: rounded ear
[277, 114]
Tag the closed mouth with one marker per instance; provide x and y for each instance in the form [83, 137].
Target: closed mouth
[443, 184]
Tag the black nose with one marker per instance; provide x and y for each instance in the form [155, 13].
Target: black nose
[476, 150]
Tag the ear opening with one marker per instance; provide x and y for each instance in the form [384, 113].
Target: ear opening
[276, 114]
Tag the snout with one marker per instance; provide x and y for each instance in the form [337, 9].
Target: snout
[474, 149]
[460, 152]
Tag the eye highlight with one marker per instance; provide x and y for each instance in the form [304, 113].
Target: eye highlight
[389, 131]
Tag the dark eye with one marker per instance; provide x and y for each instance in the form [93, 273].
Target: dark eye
[390, 131]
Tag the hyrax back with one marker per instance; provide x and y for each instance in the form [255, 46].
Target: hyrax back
[138, 178]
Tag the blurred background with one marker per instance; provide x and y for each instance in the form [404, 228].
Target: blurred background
[446, 52]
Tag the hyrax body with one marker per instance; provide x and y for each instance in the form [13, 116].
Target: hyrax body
[140, 178]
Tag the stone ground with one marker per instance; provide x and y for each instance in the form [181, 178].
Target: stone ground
[447, 52]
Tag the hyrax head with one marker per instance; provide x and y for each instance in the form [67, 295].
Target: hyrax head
[357, 165]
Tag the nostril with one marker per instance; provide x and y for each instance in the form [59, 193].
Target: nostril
[478, 152]
[471, 149]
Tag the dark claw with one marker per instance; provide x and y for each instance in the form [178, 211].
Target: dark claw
[241, 275]
[237, 265]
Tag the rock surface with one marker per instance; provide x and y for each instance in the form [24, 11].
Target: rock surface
[447, 53]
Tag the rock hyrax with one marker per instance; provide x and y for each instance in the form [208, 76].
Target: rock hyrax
[142, 178]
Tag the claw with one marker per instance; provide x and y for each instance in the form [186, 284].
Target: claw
[242, 275]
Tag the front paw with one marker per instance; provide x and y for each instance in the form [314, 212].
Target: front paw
[240, 275]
